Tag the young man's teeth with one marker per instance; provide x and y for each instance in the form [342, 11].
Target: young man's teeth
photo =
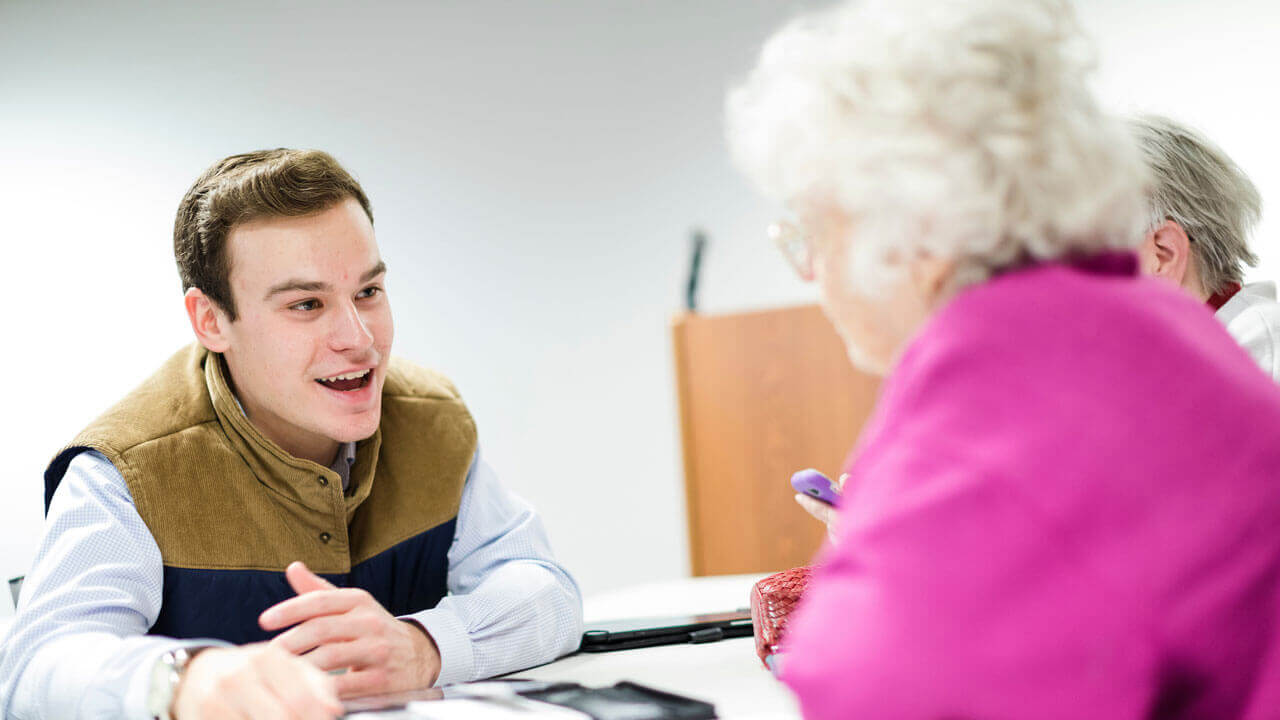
[348, 376]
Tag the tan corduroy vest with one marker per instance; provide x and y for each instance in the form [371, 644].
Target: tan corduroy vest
[229, 509]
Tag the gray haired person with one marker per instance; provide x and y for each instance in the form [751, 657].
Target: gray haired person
[1203, 209]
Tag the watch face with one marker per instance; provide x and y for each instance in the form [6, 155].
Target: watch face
[164, 679]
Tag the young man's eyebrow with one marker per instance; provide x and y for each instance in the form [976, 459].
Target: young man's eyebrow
[374, 271]
[316, 285]
[300, 285]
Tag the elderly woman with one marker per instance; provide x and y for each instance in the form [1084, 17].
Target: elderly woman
[1067, 502]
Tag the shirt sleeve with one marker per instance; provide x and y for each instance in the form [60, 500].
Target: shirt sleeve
[78, 647]
[510, 604]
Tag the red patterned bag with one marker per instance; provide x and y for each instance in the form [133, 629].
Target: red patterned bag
[772, 600]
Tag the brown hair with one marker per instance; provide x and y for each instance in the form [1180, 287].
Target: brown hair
[265, 183]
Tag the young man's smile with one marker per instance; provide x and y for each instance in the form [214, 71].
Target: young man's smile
[354, 387]
[348, 381]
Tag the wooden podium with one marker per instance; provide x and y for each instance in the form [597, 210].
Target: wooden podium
[761, 394]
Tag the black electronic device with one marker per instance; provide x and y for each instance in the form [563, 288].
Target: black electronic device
[648, 632]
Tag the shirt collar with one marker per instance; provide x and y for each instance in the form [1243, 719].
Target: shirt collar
[342, 462]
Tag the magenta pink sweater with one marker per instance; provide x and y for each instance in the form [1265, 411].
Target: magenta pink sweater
[1066, 505]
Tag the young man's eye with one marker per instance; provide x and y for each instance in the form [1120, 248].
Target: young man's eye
[371, 291]
[306, 305]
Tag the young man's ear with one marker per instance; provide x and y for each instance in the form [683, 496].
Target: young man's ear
[1169, 251]
[208, 321]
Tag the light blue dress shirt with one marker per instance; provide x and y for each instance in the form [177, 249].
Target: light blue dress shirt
[77, 647]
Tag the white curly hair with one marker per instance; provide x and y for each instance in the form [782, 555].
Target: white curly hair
[959, 128]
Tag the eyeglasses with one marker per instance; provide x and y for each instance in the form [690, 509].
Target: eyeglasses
[795, 245]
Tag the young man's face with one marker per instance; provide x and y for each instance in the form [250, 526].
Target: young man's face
[309, 351]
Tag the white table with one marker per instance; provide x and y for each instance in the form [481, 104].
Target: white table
[726, 673]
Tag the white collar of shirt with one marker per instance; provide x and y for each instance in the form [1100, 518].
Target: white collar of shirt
[1249, 295]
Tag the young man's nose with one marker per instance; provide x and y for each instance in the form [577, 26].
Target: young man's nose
[349, 331]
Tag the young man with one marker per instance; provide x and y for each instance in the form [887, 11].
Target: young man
[1203, 209]
[282, 499]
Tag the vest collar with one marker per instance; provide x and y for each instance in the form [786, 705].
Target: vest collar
[298, 481]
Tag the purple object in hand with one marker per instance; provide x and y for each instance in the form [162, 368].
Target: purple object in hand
[816, 485]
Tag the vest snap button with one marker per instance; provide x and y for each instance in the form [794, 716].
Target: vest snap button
[324, 481]
[324, 537]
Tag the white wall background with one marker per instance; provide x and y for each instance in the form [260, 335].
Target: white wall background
[535, 168]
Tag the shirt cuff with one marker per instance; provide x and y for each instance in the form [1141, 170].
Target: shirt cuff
[457, 662]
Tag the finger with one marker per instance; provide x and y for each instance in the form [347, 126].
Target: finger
[316, 632]
[819, 510]
[324, 691]
[844, 477]
[351, 654]
[303, 691]
[358, 683]
[303, 581]
[313, 604]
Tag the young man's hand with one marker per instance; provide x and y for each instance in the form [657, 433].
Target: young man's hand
[254, 681]
[347, 629]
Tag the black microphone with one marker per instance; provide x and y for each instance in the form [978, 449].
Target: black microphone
[699, 239]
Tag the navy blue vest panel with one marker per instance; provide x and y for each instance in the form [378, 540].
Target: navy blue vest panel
[225, 604]
[53, 474]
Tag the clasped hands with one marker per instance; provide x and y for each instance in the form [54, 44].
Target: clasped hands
[330, 629]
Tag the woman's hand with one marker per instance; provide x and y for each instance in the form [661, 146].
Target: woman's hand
[822, 511]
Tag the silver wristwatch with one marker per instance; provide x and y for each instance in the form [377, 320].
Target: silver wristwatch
[165, 676]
